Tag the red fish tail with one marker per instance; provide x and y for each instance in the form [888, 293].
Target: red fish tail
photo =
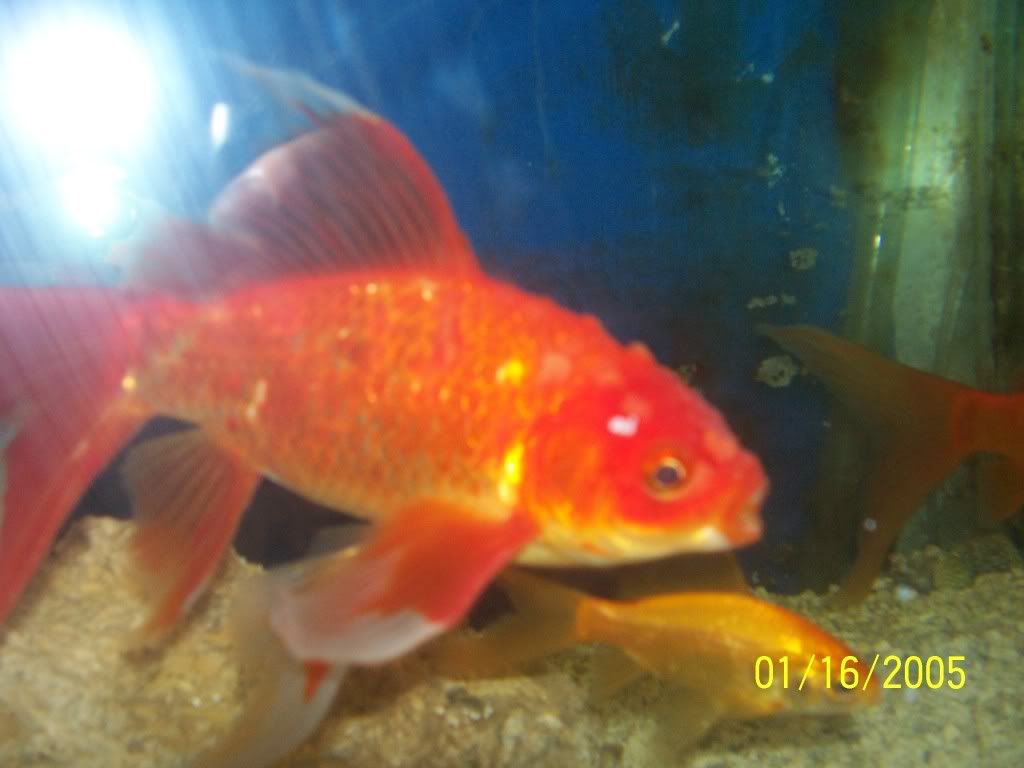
[917, 421]
[64, 412]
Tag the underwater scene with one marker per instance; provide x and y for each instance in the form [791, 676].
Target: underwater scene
[435, 383]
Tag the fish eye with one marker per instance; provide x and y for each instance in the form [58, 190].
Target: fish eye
[666, 477]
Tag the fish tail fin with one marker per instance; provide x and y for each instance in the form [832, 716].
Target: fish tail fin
[544, 623]
[289, 697]
[65, 411]
[917, 436]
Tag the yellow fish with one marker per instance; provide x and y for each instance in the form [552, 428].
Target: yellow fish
[732, 655]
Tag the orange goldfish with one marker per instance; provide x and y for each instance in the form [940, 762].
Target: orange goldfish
[707, 643]
[924, 426]
[331, 329]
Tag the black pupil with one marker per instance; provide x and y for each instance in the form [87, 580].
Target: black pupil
[667, 475]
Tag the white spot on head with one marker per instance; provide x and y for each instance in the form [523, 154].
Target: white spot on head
[128, 383]
[905, 593]
[870, 524]
[427, 290]
[623, 426]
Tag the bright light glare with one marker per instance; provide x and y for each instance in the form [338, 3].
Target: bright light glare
[92, 196]
[219, 124]
[80, 87]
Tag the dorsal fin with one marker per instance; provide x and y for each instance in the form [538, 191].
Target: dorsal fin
[351, 194]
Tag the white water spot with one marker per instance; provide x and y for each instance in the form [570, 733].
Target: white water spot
[259, 397]
[669, 33]
[220, 117]
[905, 593]
[623, 426]
[870, 524]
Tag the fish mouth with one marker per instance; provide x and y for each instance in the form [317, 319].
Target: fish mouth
[742, 524]
[746, 527]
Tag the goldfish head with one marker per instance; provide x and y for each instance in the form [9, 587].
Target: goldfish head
[815, 686]
[635, 465]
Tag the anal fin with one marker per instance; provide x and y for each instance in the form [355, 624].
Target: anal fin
[612, 671]
[187, 495]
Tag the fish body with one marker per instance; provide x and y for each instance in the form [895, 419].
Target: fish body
[330, 328]
[366, 392]
[922, 427]
[712, 646]
[712, 641]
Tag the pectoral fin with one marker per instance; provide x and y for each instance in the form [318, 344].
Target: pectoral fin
[188, 496]
[415, 577]
[685, 716]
